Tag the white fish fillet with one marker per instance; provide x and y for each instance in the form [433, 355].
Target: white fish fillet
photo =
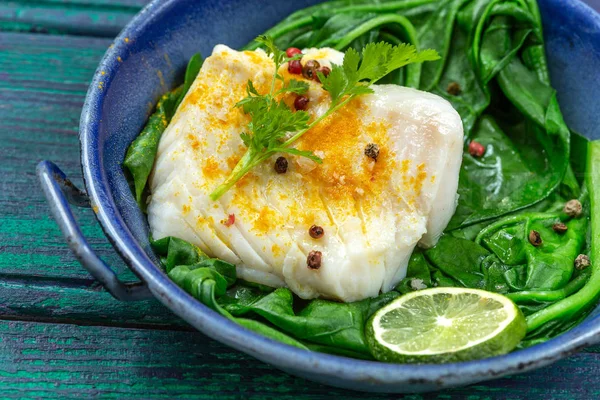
[373, 212]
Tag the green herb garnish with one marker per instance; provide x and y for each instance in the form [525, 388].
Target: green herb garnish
[273, 120]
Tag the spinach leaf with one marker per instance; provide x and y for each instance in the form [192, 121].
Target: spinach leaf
[338, 326]
[418, 274]
[513, 171]
[330, 323]
[191, 72]
[565, 313]
[270, 332]
[460, 259]
[548, 266]
[142, 151]
[421, 274]
[174, 251]
[206, 284]
[579, 146]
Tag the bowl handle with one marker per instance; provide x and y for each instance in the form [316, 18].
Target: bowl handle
[61, 193]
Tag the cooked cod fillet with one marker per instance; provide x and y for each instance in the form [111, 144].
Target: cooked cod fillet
[373, 212]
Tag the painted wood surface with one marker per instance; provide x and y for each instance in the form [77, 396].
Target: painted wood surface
[53, 360]
[61, 335]
[74, 17]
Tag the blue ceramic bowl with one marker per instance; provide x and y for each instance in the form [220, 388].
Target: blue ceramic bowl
[148, 58]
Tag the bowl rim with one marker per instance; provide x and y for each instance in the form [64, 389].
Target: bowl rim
[323, 367]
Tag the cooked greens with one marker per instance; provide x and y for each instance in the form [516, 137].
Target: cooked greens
[493, 71]
[337, 327]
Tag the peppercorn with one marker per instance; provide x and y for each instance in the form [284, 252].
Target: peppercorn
[281, 165]
[324, 70]
[573, 208]
[560, 227]
[313, 261]
[295, 67]
[292, 51]
[316, 232]
[453, 89]
[535, 238]
[582, 261]
[309, 71]
[372, 151]
[301, 103]
[476, 149]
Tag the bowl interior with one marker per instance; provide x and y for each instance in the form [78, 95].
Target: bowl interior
[149, 58]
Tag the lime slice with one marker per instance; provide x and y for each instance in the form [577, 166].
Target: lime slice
[445, 324]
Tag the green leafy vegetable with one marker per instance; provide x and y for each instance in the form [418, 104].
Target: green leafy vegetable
[175, 251]
[572, 307]
[142, 151]
[191, 72]
[549, 266]
[337, 326]
[459, 258]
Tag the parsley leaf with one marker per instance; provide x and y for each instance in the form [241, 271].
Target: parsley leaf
[294, 86]
[357, 72]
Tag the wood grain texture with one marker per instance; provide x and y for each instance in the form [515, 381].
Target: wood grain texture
[43, 81]
[74, 301]
[67, 361]
[84, 17]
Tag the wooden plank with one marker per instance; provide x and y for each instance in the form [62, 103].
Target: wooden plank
[105, 4]
[68, 361]
[43, 81]
[72, 301]
[89, 17]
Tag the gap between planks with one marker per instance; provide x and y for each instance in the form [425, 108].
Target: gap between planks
[80, 303]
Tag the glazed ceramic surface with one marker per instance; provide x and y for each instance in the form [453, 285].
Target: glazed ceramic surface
[149, 58]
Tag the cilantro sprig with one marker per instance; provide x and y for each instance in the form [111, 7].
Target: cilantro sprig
[272, 121]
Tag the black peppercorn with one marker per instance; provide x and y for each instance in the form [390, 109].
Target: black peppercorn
[560, 227]
[313, 261]
[309, 71]
[573, 208]
[453, 89]
[372, 151]
[582, 261]
[316, 232]
[535, 238]
[325, 71]
[281, 165]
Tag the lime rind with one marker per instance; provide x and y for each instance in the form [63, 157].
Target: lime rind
[445, 325]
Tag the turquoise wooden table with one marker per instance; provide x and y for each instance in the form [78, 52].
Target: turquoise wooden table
[61, 335]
